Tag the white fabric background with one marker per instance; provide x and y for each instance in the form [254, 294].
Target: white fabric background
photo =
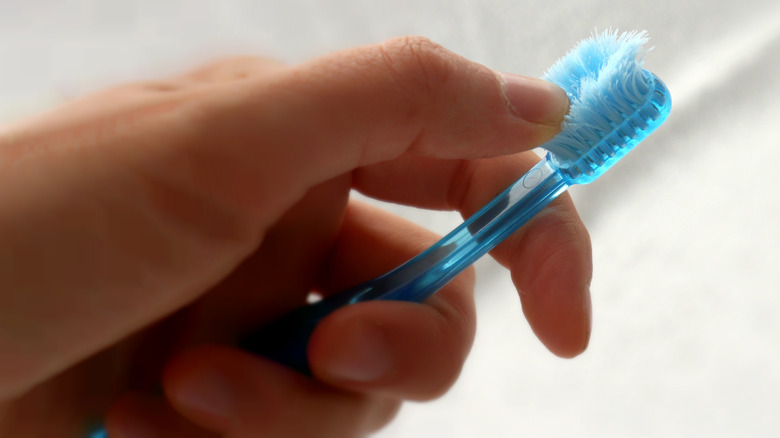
[686, 339]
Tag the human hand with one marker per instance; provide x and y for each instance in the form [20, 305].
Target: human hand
[146, 228]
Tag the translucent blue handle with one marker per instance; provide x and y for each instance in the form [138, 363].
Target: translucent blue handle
[286, 339]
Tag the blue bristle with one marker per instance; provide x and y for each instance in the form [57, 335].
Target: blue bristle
[611, 101]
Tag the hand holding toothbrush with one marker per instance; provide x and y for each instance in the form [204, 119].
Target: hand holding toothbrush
[146, 228]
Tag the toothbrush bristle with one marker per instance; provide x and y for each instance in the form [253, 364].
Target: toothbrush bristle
[615, 103]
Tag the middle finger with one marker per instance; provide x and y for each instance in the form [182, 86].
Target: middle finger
[549, 257]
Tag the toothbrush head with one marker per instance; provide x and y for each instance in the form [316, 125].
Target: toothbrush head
[615, 104]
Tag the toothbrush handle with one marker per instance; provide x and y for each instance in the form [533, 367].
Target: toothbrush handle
[286, 339]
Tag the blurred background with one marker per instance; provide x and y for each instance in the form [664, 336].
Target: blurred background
[686, 296]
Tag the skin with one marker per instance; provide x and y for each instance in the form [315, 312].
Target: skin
[146, 227]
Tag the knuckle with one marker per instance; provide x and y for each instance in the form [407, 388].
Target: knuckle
[555, 239]
[416, 60]
[565, 224]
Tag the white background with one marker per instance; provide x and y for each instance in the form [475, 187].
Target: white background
[686, 339]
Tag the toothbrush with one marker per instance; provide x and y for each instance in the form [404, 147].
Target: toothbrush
[615, 104]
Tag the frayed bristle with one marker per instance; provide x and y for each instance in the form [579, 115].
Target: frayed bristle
[606, 84]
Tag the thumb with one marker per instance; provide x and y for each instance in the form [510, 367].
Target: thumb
[364, 105]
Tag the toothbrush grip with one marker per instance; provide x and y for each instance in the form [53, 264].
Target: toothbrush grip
[286, 339]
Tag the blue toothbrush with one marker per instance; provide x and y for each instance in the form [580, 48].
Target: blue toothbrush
[615, 104]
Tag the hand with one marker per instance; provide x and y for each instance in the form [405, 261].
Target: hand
[146, 228]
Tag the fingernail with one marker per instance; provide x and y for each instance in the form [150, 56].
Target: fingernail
[208, 392]
[533, 99]
[364, 355]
